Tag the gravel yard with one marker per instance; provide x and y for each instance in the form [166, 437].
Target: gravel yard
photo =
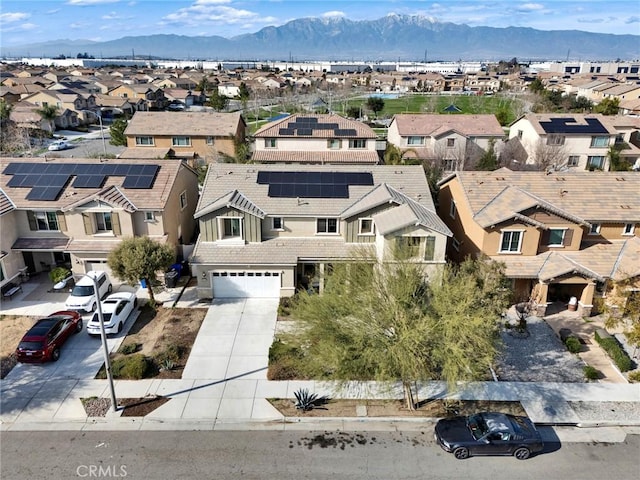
[539, 356]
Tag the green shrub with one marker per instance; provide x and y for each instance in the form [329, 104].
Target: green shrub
[285, 361]
[634, 377]
[615, 351]
[133, 367]
[573, 344]
[129, 348]
[58, 274]
[591, 373]
[285, 306]
[171, 354]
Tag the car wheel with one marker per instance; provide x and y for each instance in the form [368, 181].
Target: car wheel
[522, 453]
[79, 326]
[461, 453]
[119, 327]
[55, 355]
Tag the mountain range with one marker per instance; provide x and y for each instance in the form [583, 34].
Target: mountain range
[391, 38]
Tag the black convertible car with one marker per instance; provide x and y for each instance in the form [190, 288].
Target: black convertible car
[488, 433]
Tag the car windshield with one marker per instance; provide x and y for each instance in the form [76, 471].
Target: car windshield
[82, 290]
[105, 316]
[30, 346]
[477, 425]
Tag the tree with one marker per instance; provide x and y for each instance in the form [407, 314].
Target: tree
[244, 93]
[382, 321]
[608, 106]
[204, 85]
[536, 86]
[546, 155]
[375, 104]
[353, 111]
[116, 132]
[616, 164]
[216, 101]
[49, 113]
[5, 111]
[140, 258]
[488, 161]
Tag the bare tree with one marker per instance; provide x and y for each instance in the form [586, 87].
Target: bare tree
[546, 156]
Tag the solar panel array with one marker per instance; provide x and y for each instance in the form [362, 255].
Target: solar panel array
[48, 180]
[569, 125]
[305, 126]
[312, 184]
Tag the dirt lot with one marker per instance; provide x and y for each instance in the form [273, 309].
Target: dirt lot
[12, 328]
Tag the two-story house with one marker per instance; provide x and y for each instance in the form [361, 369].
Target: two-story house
[575, 141]
[73, 212]
[153, 96]
[193, 136]
[452, 141]
[560, 235]
[315, 139]
[268, 230]
[83, 107]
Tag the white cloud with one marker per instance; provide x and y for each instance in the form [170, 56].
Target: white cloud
[22, 27]
[632, 20]
[115, 16]
[213, 12]
[83, 3]
[332, 14]
[11, 17]
[530, 7]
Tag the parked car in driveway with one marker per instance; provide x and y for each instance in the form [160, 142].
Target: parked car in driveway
[59, 145]
[82, 296]
[116, 308]
[488, 433]
[43, 341]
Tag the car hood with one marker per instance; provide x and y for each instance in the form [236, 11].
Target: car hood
[454, 429]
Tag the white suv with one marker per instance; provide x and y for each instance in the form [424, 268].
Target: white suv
[82, 296]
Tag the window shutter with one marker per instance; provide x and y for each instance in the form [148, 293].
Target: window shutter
[62, 221]
[32, 220]
[88, 226]
[115, 224]
[568, 236]
[546, 236]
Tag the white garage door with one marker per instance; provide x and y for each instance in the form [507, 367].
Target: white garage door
[246, 284]
[100, 265]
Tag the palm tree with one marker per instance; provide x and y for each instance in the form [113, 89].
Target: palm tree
[49, 114]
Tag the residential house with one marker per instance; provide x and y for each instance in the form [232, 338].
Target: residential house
[560, 234]
[628, 139]
[576, 141]
[73, 211]
[315, 138]
[153, 96]
[195, 136]
[268, 230]
[453, 141]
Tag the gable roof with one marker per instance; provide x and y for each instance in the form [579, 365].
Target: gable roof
[319, 157]
[331, 123]
[184, 123]
[111, 195]
[235, 200]
[569, 124]
[434, 125]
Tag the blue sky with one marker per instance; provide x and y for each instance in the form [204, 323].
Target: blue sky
[33, 21]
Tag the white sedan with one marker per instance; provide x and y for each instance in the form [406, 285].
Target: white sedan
[116, 308]
[59, 145]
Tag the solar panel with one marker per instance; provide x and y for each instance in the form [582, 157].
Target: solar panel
[121, 170]
[305, 131]
[569, 125]
[18, 181]
[263, 177]
[287, 131]
[44, 193]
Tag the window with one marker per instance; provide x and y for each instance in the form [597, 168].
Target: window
[231, 227]
[149, 216]
[599, 142]
[366, 226]
[103, 222]
[455, 244]
[334, 144]
[183, 200]
[595, 229]
[511, 241]
[270, 143]
[520, 132]
[144, 141]
[555, 140]
[181, 141]
[556, 237]
[449, 164]
[414, 140]
[452, 209]
[46, 220]
[276, 223]
[629, 228]
[408, 247]
[430, 248]
[327, 225]
[210, 140]
[595, 161]
[357, 143]
[573, 161]
[451, 142]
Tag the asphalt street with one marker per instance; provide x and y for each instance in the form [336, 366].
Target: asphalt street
[293, 455]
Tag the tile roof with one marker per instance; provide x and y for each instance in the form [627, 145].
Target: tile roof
[576, 119]
[145, 152]
[184, 123]
[154, 198]
[48, 243]
[593, 197]
[111, 195]
[273, 129]
[233, 199]
[434, 125]
[307, 156]
[223, 178]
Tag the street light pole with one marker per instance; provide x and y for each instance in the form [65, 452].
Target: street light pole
[104, 145]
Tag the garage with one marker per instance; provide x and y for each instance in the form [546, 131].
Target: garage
[99, 265]
[245, 284]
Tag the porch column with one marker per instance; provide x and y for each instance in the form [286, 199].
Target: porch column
[542, 290]
[321, 276]
[585, 304]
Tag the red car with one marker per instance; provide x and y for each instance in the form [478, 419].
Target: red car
[44, 340]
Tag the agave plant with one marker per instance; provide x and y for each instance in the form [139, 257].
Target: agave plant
[306, 400]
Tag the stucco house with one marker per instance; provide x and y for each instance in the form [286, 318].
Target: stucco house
[268, 230]
[73, 211]
[315, 139]
[560, 235]
[451, 140]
